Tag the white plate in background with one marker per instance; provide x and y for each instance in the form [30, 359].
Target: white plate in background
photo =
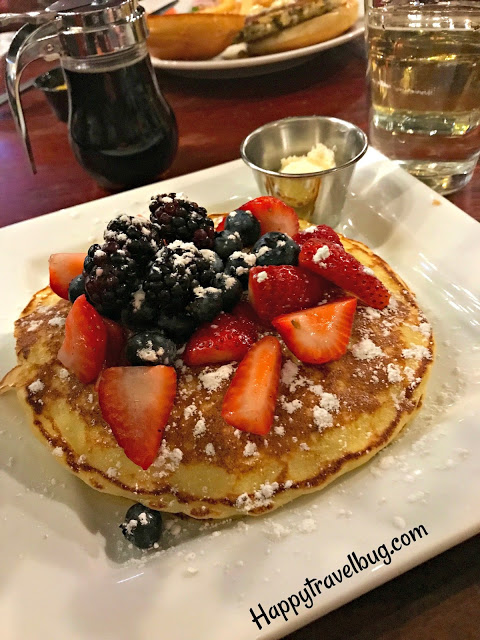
[66, 571]
[221, 67]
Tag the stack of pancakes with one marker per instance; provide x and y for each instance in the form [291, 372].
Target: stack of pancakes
[329, 418]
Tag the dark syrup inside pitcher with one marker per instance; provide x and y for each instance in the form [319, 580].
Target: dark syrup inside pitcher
[122, 131]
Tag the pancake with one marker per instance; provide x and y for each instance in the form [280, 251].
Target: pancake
[329, 418]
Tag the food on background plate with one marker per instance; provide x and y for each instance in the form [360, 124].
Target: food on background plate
[192, 36]
[219, 386]
[287, 25]
[262, 27]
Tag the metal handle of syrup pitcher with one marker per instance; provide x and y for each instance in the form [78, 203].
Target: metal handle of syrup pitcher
[29, 44]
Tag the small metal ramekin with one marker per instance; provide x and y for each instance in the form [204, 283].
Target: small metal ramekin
[318, 197]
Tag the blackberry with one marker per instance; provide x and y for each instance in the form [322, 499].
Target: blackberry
[245, 224]
[134, 234]
[276, 248]
[226, 242]
[149, 349]
[142, 526]
[178, 269]
[111, 276]
[239, 265]
[178, 219]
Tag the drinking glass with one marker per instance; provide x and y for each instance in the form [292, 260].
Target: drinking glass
[424, 75]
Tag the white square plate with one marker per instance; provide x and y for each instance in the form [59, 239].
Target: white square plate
[66, 572]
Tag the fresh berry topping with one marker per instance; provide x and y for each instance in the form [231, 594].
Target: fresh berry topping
[276, 248]
[178, 269]
[322, 232]
[333, 263]
[84, 345]
[207, 304]
[226, 339]
[150, 348]
[226, 242]
[176, 218]
[273, 215]
[142, 526]
[63, 267]
[221, 225]
[137, 314]
[116, 339]
[244, 223]
[276, 290]
[111, 277]
[176, 327]
[320, 334]
[249, 403]
[245, 310]
[239, 265]
[76, 288]
[134, 234]
[231, 289]
[136, 402]
[216, 263]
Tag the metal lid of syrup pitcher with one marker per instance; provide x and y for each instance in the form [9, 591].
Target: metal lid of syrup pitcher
[74, 29]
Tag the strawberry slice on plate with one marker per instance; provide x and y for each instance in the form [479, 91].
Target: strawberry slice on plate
[249, 403]
[221, 225]
[244, 309]
[116, 341]
[85, 342]
[226, 339]
[63, 268]
[273, 215]
[319, 334]
[333, 263]
[136, 402]
[321, 232]
[275, 290]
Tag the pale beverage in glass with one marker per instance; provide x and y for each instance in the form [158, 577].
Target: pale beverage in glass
[424, 72]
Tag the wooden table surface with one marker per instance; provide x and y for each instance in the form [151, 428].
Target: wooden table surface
[440, 600]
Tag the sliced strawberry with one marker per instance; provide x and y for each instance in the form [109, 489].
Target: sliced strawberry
[249, 403]
[84, 346]
[334, 263]
[244, 309]
[63, 268]
[320, 334]
[221, 225]
[136, 402]
[275, 290]
[273, 215]
[116, 340]
[227, 338]
[322, 232]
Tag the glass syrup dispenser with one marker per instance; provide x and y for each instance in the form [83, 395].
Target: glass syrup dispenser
[121, 129]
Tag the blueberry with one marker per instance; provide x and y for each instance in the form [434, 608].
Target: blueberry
[226, 242]
[150, 348]
[216, 263]
[231, 289]
[206, 305]
[178, 328]
[142, 526]
[276, 248]
[76, 288]
[239, 265]
[245, 224]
